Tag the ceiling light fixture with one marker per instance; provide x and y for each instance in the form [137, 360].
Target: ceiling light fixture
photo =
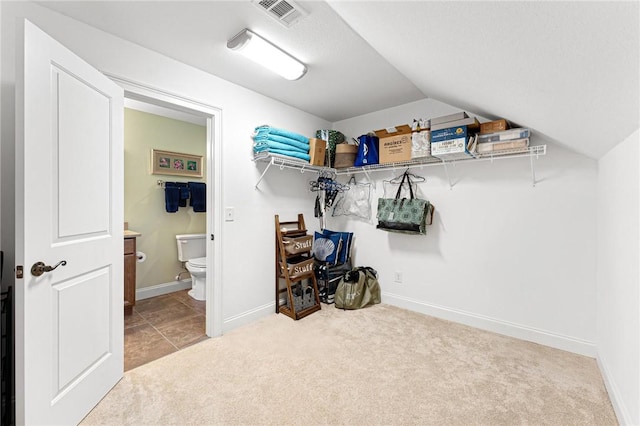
[267, 54]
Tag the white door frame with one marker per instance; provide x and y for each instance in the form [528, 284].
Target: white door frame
[141, 92]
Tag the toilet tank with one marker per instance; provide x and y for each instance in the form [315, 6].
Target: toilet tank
[191, 246]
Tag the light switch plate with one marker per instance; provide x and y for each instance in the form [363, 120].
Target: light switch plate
[229, 214]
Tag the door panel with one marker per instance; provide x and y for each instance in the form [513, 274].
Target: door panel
[81, 313]
[78, 110]
[69, 190]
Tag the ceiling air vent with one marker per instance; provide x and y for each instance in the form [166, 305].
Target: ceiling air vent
[287, 12]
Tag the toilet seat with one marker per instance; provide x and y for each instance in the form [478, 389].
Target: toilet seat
[198, 262]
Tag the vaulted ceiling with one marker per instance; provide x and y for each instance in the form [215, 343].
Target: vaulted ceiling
[570, 71]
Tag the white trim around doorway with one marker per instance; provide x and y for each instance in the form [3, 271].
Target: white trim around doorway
[213, 116]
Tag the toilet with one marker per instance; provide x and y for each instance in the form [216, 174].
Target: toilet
[192, 250]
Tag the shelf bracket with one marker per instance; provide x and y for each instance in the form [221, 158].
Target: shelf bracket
[446, 170]
[367, 175]
[533, 171]
[266, 169]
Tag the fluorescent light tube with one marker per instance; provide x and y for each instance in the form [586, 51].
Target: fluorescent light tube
[266, 54]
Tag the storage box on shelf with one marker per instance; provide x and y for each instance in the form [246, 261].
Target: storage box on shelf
[450, 143]
[504, 141]
[450, 118]
[503, 146]
[493, 126]
[345, 155]
[505, 135]
[421, 140]
[317, 151]
[394, 144]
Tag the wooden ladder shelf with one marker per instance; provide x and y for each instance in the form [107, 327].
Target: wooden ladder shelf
[294, 266]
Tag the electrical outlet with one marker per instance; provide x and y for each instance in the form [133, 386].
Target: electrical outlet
[397, 277]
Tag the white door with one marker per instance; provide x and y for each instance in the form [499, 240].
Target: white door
[69, 207]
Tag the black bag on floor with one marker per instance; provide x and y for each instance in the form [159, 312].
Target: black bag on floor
[358, 288]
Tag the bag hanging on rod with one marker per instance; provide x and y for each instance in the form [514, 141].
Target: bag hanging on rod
[404, 215]
[355, 202]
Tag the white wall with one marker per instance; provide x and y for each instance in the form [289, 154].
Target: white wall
[248, 247]
[501, 254]
[618, 295]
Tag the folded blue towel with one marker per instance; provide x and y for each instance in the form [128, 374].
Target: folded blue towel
[171, 197]
[268, 130]
[184, 193]
[284, 141]
[289, 153]
[198, 196]
[266, 145]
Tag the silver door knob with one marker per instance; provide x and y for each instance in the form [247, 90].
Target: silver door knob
[40, 268]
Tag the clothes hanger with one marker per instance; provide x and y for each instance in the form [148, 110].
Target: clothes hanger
[352, 182]
[414, 178]
[327, 184]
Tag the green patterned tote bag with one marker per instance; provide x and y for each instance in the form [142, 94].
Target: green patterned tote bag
[404, 215]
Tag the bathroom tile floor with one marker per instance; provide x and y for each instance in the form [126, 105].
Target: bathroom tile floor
[161, 325]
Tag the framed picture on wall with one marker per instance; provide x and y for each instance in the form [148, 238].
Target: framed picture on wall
[175, 163]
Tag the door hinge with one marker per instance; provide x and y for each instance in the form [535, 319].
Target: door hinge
[19, 271]
[211, 237]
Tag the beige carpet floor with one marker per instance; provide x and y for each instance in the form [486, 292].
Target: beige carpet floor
[377, 366]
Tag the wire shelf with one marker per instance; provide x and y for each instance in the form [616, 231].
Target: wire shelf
[291, 163]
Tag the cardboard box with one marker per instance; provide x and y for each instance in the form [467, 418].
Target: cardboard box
[317, 150]
[450, 144]
[447, 118]
[345, 155]
[470, 122]
[494, 126]
[395, 144]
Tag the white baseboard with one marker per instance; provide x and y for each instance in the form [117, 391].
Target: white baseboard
[517, 331]
[621, 410]
[248, 317]
[160, 289]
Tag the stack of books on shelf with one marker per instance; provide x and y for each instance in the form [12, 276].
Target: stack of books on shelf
[453, 137]
[503, 141]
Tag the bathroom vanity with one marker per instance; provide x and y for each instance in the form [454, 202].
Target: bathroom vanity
[130, 260]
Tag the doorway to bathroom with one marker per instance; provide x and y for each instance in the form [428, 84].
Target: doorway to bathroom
[162, 318]
[165, 318]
